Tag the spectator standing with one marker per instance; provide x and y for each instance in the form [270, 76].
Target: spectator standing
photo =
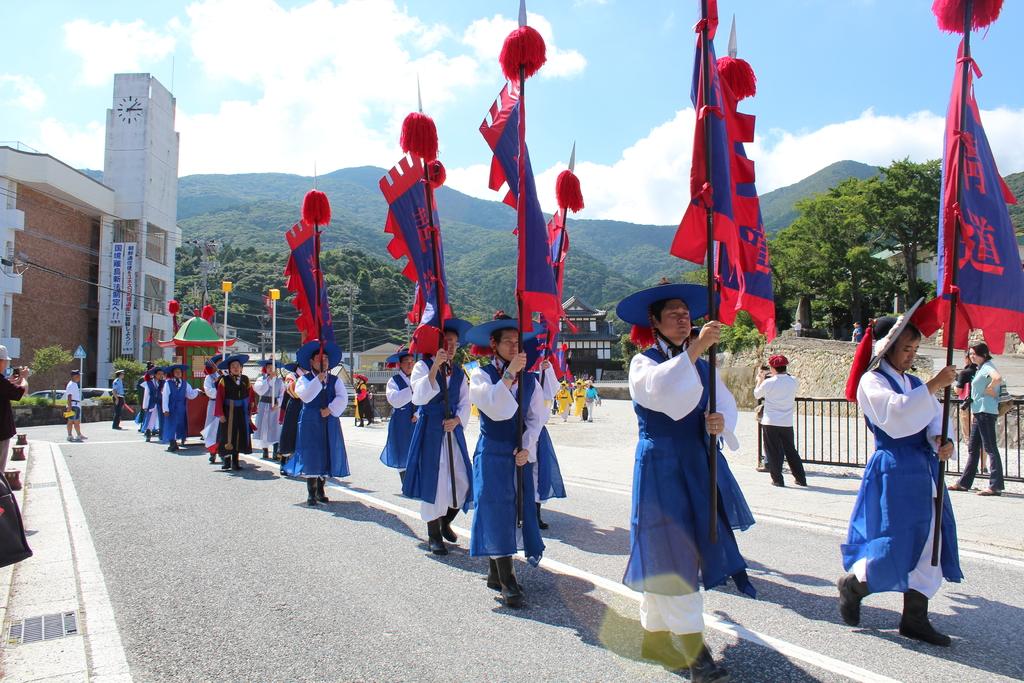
[984, 411]
[117, 389]
[10, 390]
[592, 399]
[73, 396]
[963, 390]
[858, 333]
[778, 389]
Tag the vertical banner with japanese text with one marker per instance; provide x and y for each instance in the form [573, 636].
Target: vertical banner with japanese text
[128, 298]
[117, 285]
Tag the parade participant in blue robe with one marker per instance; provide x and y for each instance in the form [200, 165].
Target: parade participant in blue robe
[889, 542]
[291, 407]
[403, 412]
[440, 479]
[547, 475]
[320, 447]
[494, 389]
[234, 398]
[671, 552]
[209, 432]
[152, 399]
[176, 394]
[140, 388]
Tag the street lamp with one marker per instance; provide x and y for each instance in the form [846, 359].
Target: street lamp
[226, 286]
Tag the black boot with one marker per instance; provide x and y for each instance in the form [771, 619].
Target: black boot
[173, 446]
[915, 624]
[434, 539]
[235, 465]
[311, 492]
[446, 526]
[149, 434]
[320, 495]
[510, 590]
[401, 476]
[276, 455]
[703, 668]
[213, 458]
[492, 576]
[266, 454]
[540, 522]
[225, 461]
[658, 646]
[851, 592]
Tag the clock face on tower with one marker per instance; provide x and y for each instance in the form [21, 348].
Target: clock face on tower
[129, 109]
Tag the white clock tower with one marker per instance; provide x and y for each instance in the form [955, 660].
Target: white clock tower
[137, 249]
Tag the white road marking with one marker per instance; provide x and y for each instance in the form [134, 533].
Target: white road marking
[784, 648]
[107, 661]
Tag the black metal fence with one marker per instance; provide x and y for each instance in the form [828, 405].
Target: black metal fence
[832, 431]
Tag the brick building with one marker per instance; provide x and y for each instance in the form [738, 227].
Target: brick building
[86, 262]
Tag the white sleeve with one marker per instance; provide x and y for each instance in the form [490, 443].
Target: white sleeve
[210, 386]
[422, 389]
[308, 388]
[898, 415]
[340, 401]
[190, 391]
[165, 395]
[725, 403]
[462, 411]
[550, 387]
[761, 388]
[672, 387]
[398, 398]
[261, 386]
[536, 416]
[935, 426]
[145, 396]
[493, 399]
[280, 391]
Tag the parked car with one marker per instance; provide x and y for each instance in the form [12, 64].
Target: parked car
[52, 394]
[90, 394]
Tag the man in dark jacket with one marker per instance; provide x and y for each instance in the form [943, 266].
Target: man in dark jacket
[10, 390]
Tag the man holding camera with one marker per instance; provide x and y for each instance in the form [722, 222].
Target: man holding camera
[10, 390]
[778, 389]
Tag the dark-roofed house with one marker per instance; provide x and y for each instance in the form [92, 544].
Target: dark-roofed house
[591, 345]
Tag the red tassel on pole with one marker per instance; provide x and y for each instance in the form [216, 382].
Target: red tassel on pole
[524, 47]
[208, 313]
[316, 210]
[419, 136]
[567, 191]
[641, 336]
[436, 174]
[950, 14]
[738, 75]
[865, 350]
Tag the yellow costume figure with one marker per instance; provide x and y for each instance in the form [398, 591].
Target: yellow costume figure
[564, 398]
[580, 397]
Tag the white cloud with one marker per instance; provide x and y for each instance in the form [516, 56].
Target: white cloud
[106, 49]
[486, 37]
[77, 146]
[335, 81]
[650, 182]
[21, 91]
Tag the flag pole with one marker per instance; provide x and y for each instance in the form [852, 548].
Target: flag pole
[521, 221]
[275, 294]
[954, 294]
[712, 309]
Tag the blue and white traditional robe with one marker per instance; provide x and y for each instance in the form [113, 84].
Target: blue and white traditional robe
[400, 426]
[547, 475]
[212, 421]
[671, 552]
[494, 533]
[889, 541]
[320, 447]
[428, 477]
[270, 392]
[175, 394]
[152, 399]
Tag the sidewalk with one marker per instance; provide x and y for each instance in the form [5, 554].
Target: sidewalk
[61, 582]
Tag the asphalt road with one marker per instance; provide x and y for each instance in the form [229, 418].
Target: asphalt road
[219, 576]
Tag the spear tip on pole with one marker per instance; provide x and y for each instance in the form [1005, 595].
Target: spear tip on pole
[419, 95]
[732, 38]
[522, 13]
[572, 157]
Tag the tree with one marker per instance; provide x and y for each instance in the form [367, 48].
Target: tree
[902, 207]
[49, 358]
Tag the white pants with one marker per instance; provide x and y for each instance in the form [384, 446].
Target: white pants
[680, 614]
[923, 578]
[443, 494]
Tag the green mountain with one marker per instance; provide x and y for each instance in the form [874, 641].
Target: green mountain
[777, 206]
[1016, 183]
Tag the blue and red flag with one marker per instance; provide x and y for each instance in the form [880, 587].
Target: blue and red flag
[301, 278]
[690, 241]
[990, 280]
[535, 280]
[412, 237]
[745, 280]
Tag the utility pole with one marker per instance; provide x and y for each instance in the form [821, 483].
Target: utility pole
[353, 291]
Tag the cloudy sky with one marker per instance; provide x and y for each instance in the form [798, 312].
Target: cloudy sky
[293, 85]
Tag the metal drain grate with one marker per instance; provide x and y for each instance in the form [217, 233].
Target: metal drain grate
[42, 485]
[46, 627]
